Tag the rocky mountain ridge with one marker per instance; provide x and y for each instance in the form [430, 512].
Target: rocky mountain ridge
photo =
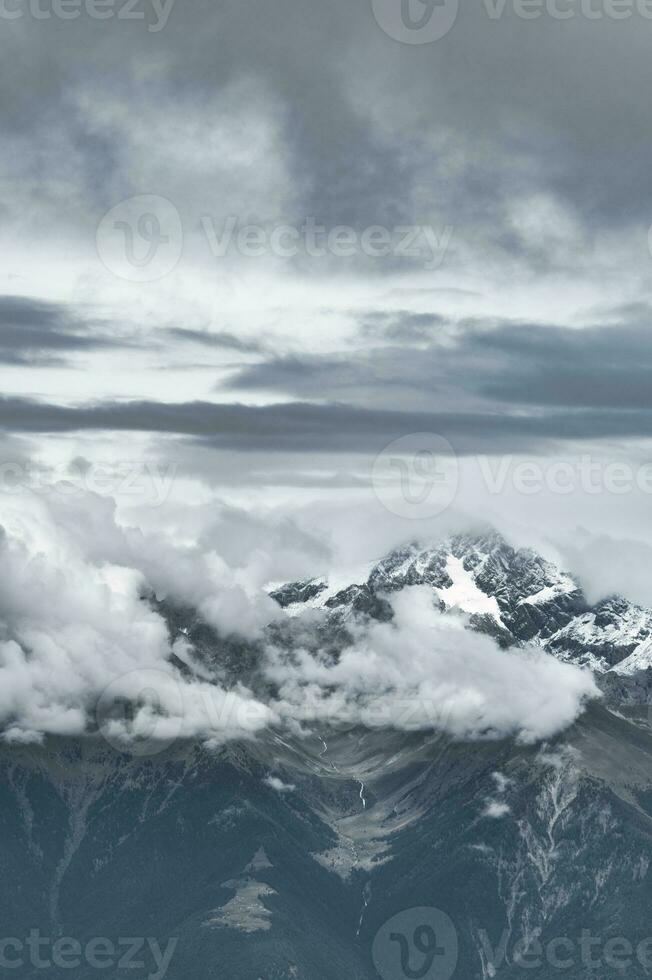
[514, 594]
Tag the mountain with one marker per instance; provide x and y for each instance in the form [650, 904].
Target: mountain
[198, 849]
[332, 851]
[512, 593]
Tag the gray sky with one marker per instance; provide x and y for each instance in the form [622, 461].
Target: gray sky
[447, 237]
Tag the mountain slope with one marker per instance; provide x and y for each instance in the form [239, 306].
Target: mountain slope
[509, 842]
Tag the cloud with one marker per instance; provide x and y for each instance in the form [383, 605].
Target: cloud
[73, 625]
[502, 782]
[495, 809]
[78, 638]
[227, 594]
[278, 785]
[34, 332]
[214, 338]
[608, 566]
[423, 670]
[302, 427]
[603, 365]
[514, 163]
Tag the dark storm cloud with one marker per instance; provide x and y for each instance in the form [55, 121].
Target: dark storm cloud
[401, 326]
[302, 375]
[308, 428]
[526, 364]
[600, 367]
[36, 333]
[374, 131]
[220, 339]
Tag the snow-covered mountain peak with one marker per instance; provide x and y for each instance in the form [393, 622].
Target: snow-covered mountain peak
[513, 593]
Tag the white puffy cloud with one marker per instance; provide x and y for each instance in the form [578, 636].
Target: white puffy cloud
[278, 785]
[74, 626]
[495, 809]
[188, 569]
[425, 669]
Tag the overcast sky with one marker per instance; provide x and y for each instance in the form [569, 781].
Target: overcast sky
[258, 243]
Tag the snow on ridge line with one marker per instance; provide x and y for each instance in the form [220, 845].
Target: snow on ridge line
[333, 583]
[639, 659]
[563, 587]
[463, 594]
